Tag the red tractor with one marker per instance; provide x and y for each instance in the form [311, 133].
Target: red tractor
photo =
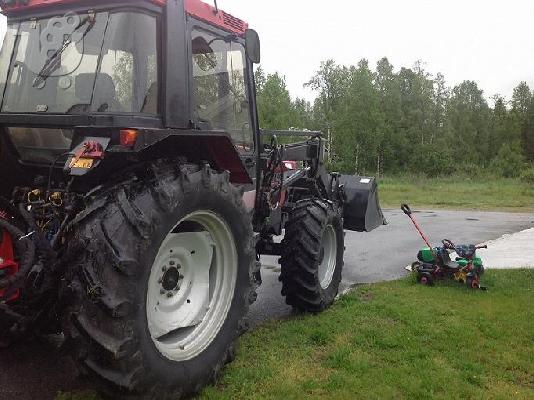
[137, 191]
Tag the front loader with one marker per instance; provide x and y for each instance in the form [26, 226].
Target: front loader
[138, 193]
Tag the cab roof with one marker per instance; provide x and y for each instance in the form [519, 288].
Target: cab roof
[195, 8]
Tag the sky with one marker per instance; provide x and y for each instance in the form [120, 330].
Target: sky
[490, 42]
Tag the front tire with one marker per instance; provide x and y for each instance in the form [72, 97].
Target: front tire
[312, 256]
[162, 271]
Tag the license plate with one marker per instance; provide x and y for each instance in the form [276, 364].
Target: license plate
[84, 163]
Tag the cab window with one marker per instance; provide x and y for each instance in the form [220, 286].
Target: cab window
[220, 100]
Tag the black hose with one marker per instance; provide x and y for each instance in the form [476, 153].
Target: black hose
[42, 245]
[28, 218]
[25, 248]
[5, 205]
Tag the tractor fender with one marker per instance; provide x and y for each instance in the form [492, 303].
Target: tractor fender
[215, 148]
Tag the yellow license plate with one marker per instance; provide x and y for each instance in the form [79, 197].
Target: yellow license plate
[84, 163]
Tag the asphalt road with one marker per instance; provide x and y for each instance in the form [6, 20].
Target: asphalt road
[38, 371]
[384, 253]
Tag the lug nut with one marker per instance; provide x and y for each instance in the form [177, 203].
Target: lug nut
[180, 277]
[171, 263]
[164, 268]
[170, 294]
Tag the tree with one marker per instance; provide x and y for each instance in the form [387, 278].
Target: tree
[360, 125]
[468, 115]
[302, 114]
[274, 102]
[527, 134]
[388, 121]
[521, 99]
[393, 147]
[501, 130]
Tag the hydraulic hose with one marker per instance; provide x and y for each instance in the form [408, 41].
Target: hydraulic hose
[42, 245]
[26, 216]
[25, 248]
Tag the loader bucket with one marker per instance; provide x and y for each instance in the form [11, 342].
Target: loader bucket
[362, 212]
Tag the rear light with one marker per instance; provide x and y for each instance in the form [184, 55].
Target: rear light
[289, 166]
[128, 137]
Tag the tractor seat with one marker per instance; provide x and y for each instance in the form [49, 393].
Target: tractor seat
[466, 251]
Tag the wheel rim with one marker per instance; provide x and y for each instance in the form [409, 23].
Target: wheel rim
[191, 285]
[327, 265]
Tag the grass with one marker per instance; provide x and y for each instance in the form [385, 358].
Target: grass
[489, 194]
[395, 340]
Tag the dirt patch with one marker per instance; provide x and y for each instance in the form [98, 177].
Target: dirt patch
[36, 370]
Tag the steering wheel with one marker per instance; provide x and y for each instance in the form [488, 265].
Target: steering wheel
[448, 244]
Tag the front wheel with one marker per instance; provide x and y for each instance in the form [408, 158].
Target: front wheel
[312, 256]
[162, 271]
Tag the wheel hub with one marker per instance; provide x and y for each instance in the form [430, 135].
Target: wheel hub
[171, 278]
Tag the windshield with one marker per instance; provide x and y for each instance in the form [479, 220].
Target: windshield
[81, 63]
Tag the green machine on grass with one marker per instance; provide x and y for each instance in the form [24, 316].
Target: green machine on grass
[435, 263]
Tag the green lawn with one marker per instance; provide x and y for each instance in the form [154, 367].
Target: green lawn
[395, 340]
[457, 193]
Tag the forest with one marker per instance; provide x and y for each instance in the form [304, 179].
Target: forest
[383, 121]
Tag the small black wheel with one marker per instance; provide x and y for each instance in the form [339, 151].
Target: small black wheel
[312, 256]
[473, 282]
[426, 279]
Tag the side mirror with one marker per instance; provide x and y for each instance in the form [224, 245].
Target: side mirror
[252, 44]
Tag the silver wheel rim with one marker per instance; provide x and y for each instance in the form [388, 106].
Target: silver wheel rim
[327, 265]
[199, 255]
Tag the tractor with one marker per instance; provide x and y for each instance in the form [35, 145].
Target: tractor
[138, 193]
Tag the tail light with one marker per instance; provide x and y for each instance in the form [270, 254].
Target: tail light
[290, 165]
[128, 137]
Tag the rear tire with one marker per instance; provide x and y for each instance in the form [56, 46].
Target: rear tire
[114, 257]
[312, 256]
[425, 278]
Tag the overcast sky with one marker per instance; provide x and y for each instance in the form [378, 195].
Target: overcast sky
[491, 42]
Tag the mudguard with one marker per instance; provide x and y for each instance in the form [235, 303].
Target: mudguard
[362, 212]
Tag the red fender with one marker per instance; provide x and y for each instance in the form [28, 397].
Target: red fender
[7, 260]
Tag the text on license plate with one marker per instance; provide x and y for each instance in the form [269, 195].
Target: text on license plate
[84, 163]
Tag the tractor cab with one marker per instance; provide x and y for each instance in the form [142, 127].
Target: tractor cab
[139, 64]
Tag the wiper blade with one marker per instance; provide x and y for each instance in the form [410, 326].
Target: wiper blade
[54, 61]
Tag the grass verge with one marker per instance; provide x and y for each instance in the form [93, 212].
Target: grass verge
[395, 340]
[490, 194]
